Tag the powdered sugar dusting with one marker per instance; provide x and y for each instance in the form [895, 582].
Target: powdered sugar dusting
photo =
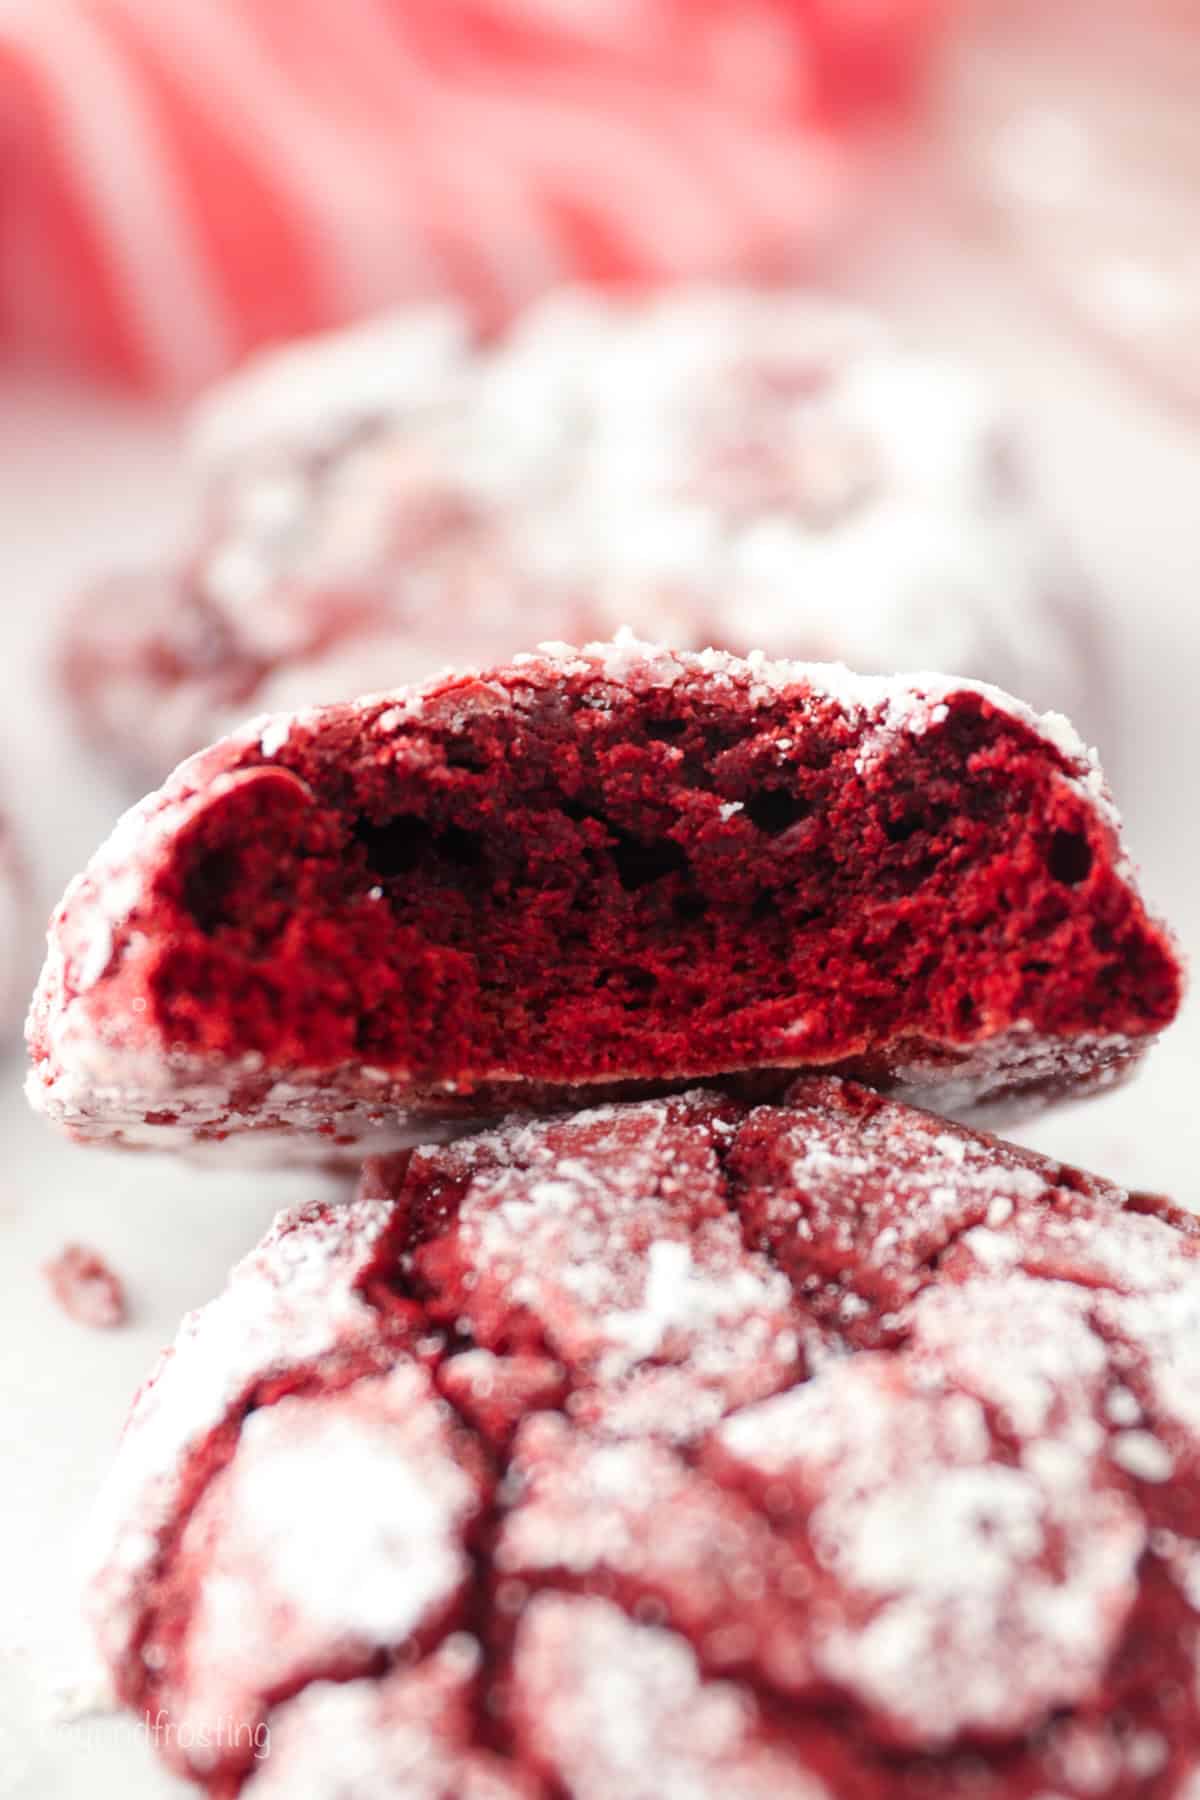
[280, 1594]
[619, 1708]
[911, 702]
[316, 388]
[959, 1593]
[293, 1301]
[696, 1412]
[731, 466]
[407, 1735]
[633, 1520]
[559, 1236]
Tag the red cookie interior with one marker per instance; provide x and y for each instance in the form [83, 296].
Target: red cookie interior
[604, 869]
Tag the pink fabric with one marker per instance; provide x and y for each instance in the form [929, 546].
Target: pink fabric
[181, 180]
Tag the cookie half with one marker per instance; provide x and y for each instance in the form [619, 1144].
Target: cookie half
[589, 874]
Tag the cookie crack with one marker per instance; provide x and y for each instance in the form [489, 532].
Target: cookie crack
[209, 1459]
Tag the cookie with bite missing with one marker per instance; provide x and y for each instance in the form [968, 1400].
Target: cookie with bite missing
[593, 873]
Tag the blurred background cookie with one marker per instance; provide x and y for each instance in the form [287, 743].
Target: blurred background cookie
[728, 467]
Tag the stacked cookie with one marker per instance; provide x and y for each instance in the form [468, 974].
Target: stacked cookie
[719, 467]
[674, 1410]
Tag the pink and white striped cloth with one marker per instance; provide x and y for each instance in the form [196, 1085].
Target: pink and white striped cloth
[181, 180]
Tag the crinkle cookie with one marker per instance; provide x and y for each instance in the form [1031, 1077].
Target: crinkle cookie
[587, 874]
[679, 1450]
[710, 467]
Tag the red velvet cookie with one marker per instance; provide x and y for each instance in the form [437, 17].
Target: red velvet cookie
[587, 872]
[750, 470]
[822, 1450]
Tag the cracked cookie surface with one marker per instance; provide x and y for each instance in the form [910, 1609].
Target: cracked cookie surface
[683, 1447]
[718, 466]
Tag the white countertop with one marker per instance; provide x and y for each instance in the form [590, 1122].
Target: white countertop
[81, 481]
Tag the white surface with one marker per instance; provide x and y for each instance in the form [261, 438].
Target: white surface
[76, 484]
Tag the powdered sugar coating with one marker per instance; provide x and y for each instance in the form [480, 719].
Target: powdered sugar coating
[952, 1540]
[719, 466]
[588, 1513]
[557, 1250]
[108, 1068]
[277, 1597]
[292, 1304]
[406, 1737]
[955, 1592]
[611, 1707]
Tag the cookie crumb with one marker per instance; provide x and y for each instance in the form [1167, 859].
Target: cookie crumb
[86, 1288]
